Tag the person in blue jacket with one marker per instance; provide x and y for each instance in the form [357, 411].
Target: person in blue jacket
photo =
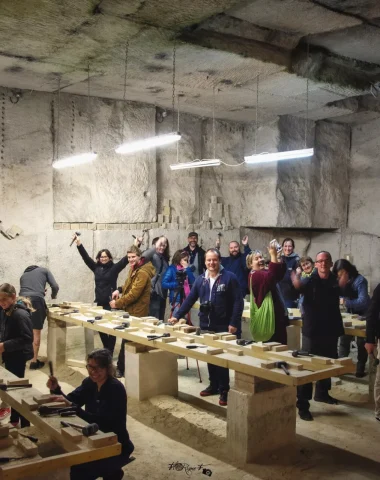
[221, 308]
[178, 284]
[355, 297]
[236, 262]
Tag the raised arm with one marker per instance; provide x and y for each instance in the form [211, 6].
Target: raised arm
[86, 257]
[121, 264]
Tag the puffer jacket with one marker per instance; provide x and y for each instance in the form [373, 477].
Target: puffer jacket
[170, 280]
[356, 295]
[16, 332]
[135, 296]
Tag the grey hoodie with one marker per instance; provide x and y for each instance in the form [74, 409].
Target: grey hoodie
[33, 282]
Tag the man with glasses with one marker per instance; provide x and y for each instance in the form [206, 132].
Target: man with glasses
[322, 326]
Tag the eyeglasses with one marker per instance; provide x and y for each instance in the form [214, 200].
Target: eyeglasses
[323, 261]
[91, 368]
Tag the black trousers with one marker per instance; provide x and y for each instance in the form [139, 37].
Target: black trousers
[108, 341]
[16, 365]
[219, 378]
[157, 306]
[121, 357]
[325, 347]
[107, 468]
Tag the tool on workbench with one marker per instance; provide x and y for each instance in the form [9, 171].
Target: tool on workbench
[70, 313]
[86, 430]
[122, 326]
[301, 353]
[155, 337]
[30, 437]
[283, 366]
[45, 410]
[13, 387]
[242, 342]
[191, 347]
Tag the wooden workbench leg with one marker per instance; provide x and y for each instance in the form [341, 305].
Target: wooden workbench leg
[261, 418]
[150, 373]
[56, 342]
[293, 333]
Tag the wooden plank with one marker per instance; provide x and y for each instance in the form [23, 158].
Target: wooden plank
[27, 446]
[168, 339]
[235, 351]
[4, 430]
[343, 361]
[214, 351]
[14, 471]
[29, 403]
[259, 348]
[18, 381]
[322, 360]
[229, 338]
[137, 348]
[71, 434]
[149, 330]
[272, 344]
[102, 440]
[280, 348]
[268, 364]
[43, 398]
[188, 339]
[6, 442]
[56, 404]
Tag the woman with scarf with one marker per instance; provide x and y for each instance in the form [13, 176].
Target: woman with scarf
[178, 279]
[135, 294]
[106, 273]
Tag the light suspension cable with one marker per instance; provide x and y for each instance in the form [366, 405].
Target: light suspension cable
[158, 140]
[82, 158]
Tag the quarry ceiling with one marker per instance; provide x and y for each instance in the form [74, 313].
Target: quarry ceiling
[220, 44]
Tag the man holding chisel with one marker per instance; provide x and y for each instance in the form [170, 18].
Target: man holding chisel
[372, 342]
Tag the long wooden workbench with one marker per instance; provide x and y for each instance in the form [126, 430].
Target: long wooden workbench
[77, 451]
[263, 396]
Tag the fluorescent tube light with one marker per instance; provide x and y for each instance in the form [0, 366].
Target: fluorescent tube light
[147, 143]
[209, 162]
[274, 157]
[75, 160]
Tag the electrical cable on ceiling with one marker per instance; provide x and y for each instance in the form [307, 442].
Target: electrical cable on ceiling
[125, 89]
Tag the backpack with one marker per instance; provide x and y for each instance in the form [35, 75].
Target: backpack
[262, 320]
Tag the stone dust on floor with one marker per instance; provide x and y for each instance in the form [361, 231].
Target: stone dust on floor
[342, 442]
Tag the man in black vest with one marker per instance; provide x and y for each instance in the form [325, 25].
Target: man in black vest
[322, 326]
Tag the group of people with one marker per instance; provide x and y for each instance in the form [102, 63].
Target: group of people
[319, 288]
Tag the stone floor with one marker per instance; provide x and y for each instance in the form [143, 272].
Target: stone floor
[173, 437]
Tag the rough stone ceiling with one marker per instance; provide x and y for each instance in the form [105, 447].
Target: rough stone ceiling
[224, 44]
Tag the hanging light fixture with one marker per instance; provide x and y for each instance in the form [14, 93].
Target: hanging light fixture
[208, 162]
[156, 141]
[81, 158]
[212, 162]
[278, 156]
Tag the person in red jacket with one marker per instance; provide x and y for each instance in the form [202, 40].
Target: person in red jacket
[263, 281]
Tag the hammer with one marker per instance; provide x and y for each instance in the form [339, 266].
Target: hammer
[155, 337]
[77, 234]
[376, 361]
[30, 437]
[4, 387]
[86, 430]
[283, 366]
[301, 353]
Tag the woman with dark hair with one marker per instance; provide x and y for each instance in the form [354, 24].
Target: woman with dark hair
[105, 401]
[178, 279]
[291, 259]
[16, 336]
[106, 273]
[356, 299]
[159, 256]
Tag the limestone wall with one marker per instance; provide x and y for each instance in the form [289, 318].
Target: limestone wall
[125, 194]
